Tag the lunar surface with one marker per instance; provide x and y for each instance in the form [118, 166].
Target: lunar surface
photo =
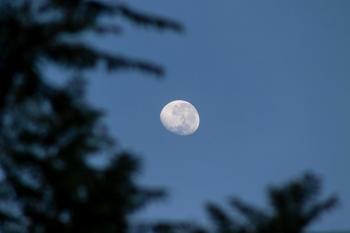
[180, 117]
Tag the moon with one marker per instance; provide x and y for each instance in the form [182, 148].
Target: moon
[180, 117]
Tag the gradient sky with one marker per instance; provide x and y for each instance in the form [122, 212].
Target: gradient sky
[271, 81]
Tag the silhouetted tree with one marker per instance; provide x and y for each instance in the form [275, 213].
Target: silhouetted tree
[49, 135]
[50, 184]
[293, 208]
[33, 32]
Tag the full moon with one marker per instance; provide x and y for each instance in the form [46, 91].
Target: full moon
[180, 117]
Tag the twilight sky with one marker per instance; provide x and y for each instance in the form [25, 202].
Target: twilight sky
[271, 81]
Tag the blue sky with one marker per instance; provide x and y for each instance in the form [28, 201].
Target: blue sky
[270, 80]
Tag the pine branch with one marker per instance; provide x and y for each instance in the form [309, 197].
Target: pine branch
[148, 20]
[316, 210]
[93, 9]
[223, 223]
[79, 56]
[255, 216]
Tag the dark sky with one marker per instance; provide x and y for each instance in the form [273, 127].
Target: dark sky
[271, 81]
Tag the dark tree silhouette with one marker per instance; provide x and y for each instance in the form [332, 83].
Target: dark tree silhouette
[50, 134]
[293, 208]
[33, 32]
[49, 184]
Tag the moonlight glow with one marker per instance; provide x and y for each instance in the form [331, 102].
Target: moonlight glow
[180, 117]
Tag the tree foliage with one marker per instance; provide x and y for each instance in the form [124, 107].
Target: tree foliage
[37, 31]
[294, 207]
[45, 152]
[50, 134]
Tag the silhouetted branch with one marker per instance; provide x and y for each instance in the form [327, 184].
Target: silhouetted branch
[79, 56]
[148, 20]
[252, 214]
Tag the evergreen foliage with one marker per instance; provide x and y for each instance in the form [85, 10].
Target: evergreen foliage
[49, 134]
